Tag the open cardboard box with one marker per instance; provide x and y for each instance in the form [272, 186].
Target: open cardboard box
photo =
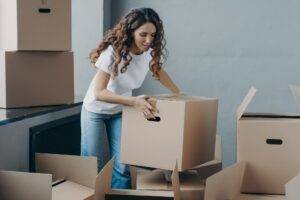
[184, 131]
[192, 182]
[155, 179]
[227, 184]
[58, 177]
[105, 192]
[269, 143]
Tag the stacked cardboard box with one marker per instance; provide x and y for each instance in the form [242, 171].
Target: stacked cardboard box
[267, 158]
[36, 62]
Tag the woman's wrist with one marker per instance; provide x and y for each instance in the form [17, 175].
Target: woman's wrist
[132, 101]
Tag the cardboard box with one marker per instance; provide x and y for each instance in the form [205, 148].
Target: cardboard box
[227, 184]
[36, 78]
[77, 172]
[104, 191]
[35, 25]
[192, 182]
[148, 179]
[269, 144]
[184, 131]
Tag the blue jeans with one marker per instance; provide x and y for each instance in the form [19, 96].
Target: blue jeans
[93, 127]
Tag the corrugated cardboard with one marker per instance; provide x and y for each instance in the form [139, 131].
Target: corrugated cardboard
[104, 191]
[79, 173]
[43, 25]
[186, 133]
[269, 144]
[227, 184]
[193, 179]
[36, 78]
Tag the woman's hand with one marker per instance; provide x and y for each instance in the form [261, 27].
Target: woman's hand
[141, 104]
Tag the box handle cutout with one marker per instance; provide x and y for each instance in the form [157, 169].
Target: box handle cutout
[155, 119]
[274, 141]
[44, 10]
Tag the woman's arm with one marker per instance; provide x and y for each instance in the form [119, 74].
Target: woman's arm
[166, 81]
[103, 94]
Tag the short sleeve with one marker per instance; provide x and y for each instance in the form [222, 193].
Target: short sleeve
[105, 60]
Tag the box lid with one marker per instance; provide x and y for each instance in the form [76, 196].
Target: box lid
[243, 106]
[296, 94]
[240, 112]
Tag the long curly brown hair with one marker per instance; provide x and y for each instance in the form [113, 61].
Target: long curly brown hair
[121, 39]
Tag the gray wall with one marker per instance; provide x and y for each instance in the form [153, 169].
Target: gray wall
[87, 32]
[219, 48]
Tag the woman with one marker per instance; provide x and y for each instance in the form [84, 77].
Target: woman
[127, 52]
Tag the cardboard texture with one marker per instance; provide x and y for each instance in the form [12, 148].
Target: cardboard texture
[104, 191]
[296, 94]
[25, 186]
[275, 140]
[190, 180]
[227, 184]
[78, 172]
[186, 133]
[39, 25]
[36, 78]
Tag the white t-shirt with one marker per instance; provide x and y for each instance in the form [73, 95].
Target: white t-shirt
[123, 84]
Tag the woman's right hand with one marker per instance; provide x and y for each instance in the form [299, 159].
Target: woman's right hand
[142, 105]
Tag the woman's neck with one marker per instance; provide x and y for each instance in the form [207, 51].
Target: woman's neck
[135, 50]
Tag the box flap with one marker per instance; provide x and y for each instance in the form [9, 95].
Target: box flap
[103, 181]
[271, 115]
[242, 107]
[81, 170]
[296, 94]
[103, 186]
[172, 97]
[127, 194]
[25, 186]
[225, 184]
[209, 168]
[133, 174]
[155, 180]
[71, 190]
[292, 188]
[175, 183]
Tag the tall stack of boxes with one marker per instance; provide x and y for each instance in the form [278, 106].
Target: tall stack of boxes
[36, 62]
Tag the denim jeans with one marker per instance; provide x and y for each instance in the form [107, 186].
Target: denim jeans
[93, 127]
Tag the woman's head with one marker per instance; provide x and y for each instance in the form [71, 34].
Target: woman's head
[138, 31]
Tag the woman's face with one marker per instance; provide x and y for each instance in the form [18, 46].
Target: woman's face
[143, 37]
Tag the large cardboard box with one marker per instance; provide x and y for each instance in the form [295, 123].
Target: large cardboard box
[36, 78]
[184, 131]
[35, 25]
[227, 184]
[269, 144]
[58, 177]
